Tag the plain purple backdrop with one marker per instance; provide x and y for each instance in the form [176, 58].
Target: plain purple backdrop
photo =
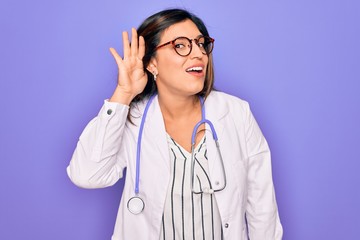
[296, 62]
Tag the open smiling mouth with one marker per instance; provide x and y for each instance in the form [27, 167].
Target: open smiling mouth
[195, 69]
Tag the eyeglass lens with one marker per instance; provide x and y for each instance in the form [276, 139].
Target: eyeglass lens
[183, 45]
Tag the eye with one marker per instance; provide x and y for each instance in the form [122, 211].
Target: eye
[201, 45]
[179, 45]
[202, 42]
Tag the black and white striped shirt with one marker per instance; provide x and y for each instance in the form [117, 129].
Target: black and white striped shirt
[189, 216]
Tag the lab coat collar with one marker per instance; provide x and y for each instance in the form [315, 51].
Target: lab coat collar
[155, 127]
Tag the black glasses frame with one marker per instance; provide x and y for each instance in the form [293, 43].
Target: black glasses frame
[209, 40]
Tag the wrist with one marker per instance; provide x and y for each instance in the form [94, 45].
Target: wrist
[121, 96]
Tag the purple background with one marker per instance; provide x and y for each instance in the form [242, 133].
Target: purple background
[296, 62]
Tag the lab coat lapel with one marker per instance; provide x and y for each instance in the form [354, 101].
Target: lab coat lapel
[155, 129]
[214, 115]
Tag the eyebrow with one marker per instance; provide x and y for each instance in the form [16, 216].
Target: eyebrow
[200, 35]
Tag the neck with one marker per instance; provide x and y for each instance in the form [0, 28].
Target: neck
[175, 107]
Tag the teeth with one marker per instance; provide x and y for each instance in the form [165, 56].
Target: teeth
[194, 69]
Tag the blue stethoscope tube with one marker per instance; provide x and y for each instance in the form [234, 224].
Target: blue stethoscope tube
[135, 204]
[138, 149]
[215, 137]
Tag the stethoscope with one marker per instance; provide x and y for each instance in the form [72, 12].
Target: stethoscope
[136, 204]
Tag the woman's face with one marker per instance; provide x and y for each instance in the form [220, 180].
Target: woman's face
[178, 75]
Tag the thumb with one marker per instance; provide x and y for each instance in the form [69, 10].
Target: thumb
[116, 56]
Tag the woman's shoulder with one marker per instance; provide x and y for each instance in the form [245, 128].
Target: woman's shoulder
[223, 99]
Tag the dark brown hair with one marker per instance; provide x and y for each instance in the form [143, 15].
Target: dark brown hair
[151, 29]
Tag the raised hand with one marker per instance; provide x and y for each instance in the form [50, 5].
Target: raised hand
[131, 79]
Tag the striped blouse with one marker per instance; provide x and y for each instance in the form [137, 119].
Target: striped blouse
[187, 215]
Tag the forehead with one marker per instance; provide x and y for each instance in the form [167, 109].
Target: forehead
[185, 28]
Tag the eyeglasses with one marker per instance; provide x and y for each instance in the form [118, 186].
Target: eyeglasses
[183, 45]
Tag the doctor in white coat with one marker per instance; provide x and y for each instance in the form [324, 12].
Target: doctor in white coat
[189, 190]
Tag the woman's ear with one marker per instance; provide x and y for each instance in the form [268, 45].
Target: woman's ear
[152, 67]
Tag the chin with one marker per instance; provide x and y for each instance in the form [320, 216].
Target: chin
[196, 89]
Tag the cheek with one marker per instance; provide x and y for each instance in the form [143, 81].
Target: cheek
[170, 64]
[206, 64]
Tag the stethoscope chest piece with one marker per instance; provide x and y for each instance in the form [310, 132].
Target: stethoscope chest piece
[136, 205]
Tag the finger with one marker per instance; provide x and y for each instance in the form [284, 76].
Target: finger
[141, 51]
[117, 57]
[134, 42]
[126, 44]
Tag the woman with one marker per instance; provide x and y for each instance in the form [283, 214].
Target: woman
[178, 186]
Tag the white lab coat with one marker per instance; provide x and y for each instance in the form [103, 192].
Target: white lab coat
[108, 145]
